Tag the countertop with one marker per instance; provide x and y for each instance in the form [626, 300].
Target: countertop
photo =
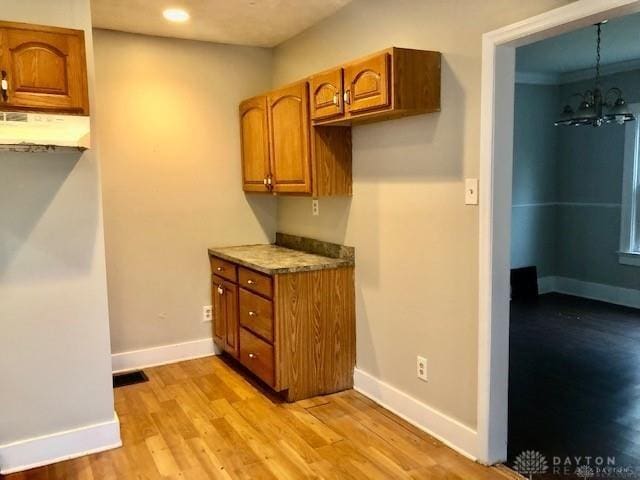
[276, 259]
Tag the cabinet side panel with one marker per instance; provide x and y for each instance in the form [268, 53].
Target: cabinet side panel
[332, 172]
[416, 80]
[316, 313]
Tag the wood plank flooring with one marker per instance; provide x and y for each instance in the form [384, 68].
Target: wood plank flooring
[201, 419]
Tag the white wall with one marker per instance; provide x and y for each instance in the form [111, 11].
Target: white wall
[55, 369]
[416, 242]
[170, 145]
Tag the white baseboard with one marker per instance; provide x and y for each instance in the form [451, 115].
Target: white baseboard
[161, 355]
[449, 431]
[627, 297]
[59, 446]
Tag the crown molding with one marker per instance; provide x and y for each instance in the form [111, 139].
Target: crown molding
[610, 69]
[538, 78]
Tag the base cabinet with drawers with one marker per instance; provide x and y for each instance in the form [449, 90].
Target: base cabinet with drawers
[294, 331]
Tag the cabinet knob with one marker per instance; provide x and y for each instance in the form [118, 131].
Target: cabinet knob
[252, 314]
[336, 99]
[250, 282]
[347, 97]
[220, 290]
[252, 356]
[220, 269]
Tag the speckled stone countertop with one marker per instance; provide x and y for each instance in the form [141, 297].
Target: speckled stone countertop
[276, 259]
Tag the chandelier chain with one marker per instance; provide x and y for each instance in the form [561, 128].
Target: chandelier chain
[598, 57]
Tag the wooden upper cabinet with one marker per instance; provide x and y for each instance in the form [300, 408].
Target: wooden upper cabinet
[254, 138]
[394, 83]
[290, 139]
[327, 94]
[367, 84]
[45, 68]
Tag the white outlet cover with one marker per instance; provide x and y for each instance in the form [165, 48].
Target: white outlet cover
[207, 313]
[421, 368]
[471, 191]
[315, 207]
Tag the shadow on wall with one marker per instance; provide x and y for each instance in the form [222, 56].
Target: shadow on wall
[47, 215]
[264, 207]
[407, 150]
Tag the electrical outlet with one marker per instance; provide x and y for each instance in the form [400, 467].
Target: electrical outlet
[315, 207]
[207, 313]
[422, 368]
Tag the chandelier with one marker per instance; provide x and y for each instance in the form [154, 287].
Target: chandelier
[596, 108]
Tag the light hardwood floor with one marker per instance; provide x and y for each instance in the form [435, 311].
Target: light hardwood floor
[202, 419]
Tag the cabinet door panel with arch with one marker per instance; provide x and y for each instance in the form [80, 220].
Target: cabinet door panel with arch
[254, 144]
[367, 84]
[290, 139]
[44, 68]
[327, 100]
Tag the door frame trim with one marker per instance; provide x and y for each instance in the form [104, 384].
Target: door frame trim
[496, 162]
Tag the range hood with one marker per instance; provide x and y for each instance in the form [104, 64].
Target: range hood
[38, 132]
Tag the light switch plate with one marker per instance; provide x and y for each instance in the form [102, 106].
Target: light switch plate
[471, 191]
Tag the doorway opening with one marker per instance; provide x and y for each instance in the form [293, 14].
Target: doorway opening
[496, 171]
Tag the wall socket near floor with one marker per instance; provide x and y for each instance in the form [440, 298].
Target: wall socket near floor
[422, 368]
[315, 207]
[207, 313]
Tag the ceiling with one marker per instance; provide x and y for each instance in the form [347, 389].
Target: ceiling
[576, 50]
[263, 23]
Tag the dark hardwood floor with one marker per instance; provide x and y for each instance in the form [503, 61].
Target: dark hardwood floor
[574, 380]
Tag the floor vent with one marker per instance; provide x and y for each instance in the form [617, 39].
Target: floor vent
[129, 378]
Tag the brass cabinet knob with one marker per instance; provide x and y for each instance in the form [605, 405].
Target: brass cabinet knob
[220, 290]
[252, 356]
[252, 314]
[220, 269]
[250, 282]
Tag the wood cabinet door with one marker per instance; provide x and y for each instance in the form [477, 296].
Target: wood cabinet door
[367, 84]
[225, 315]
[326, 94]
[46, 69]
[254, 138]
[289, 139]
[219, 312]
[231, 318]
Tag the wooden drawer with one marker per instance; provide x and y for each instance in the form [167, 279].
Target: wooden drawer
[256, 282]
[223, 268]
[257, 356]
[256, 314]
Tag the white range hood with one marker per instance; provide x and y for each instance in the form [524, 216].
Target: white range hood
[38, 132]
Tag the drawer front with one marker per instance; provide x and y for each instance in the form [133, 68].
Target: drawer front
[256, 314]
[256, 282]
[224, 269]
[257, 356]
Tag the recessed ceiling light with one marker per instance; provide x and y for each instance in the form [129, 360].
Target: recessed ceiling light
[175, 15]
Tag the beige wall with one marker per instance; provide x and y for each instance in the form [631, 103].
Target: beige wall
[416, 242]
[171, 177]
[55, 366]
